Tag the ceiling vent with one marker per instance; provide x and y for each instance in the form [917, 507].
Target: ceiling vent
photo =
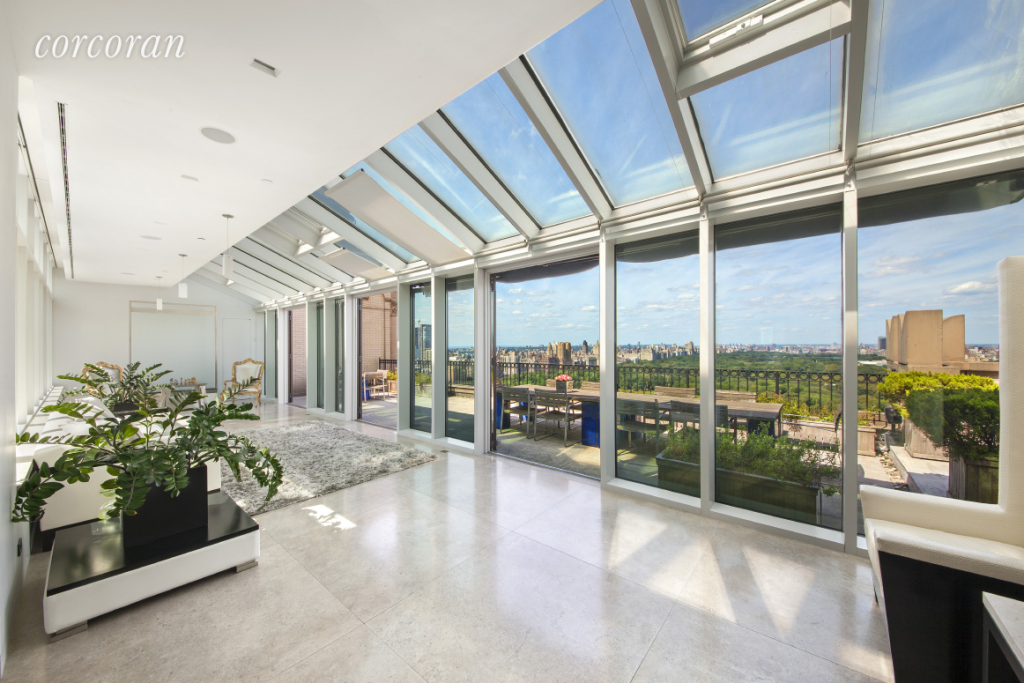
[265, 68]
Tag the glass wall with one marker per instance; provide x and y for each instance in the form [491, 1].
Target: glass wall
[657, 363]
[270, 356]
[778, 366]
[459, 367]
[546, 324]
[420, 377]
[318, 330]
[929, 333]
[339, 355]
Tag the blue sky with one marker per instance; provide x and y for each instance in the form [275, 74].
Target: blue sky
[460, 319]
[549, 310]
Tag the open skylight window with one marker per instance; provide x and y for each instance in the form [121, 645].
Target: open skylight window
[933, 61]
[787, 110]
[599, 74]
[701, 16]
[360, 225]
[495, 125]
[421, 156]
[401, 197]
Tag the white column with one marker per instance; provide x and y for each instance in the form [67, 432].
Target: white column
[438, 357]
[312, 361]
[707, 362]
[851, 405]
[483, 403]
[330, 359]
[353, 373]
[606, 358]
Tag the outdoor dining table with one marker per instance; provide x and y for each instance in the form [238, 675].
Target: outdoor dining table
[590, 402]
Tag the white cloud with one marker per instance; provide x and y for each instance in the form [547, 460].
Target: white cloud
[515, 290]
[972, 287]
[499, 301]
[588, 308]
[745, 288]
[517, 312]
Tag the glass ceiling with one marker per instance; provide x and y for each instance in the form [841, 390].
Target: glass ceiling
[431, 167]
[933, 61]
[787, 110]
[600, 76]
[360, 225]
[701, 16]
[400, 196]
[495, 125]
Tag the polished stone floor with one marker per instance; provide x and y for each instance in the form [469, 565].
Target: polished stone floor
[485, 569]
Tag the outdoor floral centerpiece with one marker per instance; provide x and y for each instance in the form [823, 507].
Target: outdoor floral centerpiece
[562, 382]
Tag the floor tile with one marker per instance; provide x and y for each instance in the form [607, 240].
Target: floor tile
[697, 646]
[388, 552]
[651, 544]
[521, 611]
[357, 657]
[808, 597]
[246, 626]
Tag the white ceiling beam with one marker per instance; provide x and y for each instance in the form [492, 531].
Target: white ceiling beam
[284, 264]
[856, 54]
[350, 234]
[404, 181]
[438, 129]
[301, 281]
[261, 274]
[277, 244]
[779, 39]
[367, 199]
[224, 289]
[537, 106]
[218, 280]
[658, 34]
[301, 230]
[266, 294]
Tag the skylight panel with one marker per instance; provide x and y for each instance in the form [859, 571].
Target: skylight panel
[401, 197]
[701, 16]
[933, 61]
[787, 110]
[362, 226]
[431, 166]
[495, 125]
[600, 76]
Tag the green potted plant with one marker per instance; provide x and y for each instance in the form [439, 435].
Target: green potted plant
[135, 389]
[156, 461]
[777, 475]
[392, 380]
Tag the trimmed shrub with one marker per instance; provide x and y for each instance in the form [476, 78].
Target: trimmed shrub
[965, 421]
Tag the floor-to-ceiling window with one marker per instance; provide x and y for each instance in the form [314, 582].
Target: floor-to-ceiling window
[460, 360]
[929, 333]
[339, 355]
[657, 363]
[270, 355]
[318, 330]
[778, 366]
[545, 371]
[377, 361]
[420, 376]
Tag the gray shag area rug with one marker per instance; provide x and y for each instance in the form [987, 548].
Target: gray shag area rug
[318, 458]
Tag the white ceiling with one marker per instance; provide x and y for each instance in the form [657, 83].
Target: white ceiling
[353, 75]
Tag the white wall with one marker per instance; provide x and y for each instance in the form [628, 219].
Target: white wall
[91, 321]
[10, 567]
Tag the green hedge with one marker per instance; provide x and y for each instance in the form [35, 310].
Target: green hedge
[897, 385]
[965, 421]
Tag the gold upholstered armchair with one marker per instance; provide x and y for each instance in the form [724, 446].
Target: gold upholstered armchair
[245, 371]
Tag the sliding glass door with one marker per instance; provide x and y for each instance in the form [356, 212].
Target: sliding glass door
[419, 381]
[459, 375]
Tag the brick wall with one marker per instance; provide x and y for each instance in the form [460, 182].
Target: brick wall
[298, 349]
[380, 329]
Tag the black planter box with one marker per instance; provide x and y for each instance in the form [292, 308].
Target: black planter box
[162, 516]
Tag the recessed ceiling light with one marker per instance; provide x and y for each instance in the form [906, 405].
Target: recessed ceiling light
[151, 237]
[268, 181]
[201, 238]
[218, 135]
[264, 67]
[188, 177]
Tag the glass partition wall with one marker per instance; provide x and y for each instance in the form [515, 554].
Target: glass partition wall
[929, 333]
[778, 366]
[339, 355]
[460, 363]
[420, 378]
[545, 369]
[318, 329]
[270, 354]
[657, 363]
